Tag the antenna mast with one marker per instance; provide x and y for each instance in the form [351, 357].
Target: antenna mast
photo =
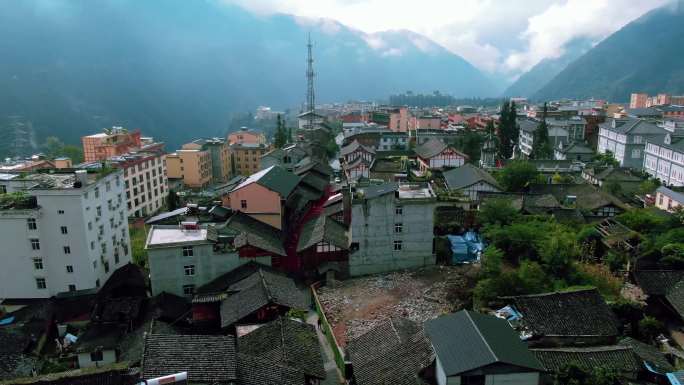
[310, 99]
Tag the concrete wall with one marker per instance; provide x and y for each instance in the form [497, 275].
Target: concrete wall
[373, 229]
[262, 203]
[167, 271]
[439, 372]
[108, 358]
[531, 378]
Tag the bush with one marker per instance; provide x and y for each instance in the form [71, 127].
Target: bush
[518, 175]
[497, 211]
[650, 328]
[600, 277]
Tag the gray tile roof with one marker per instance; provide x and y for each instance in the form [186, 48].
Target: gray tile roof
[255, 233]
[274, 178]
[676, 195]
[430, 148]
[528, 124]
[265, 371]
[658, 282]
[572, 313]
[394, 352]
[467, 340]
[206, 358]
[632, 126]
[286, 342]
[577, 148]
[374, 191]
[354, 146]
[467, 175]
[260, 289]
[649, 353]
[620, 358]
[322, 229]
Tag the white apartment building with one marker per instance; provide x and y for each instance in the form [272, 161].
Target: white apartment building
[664, 157]
[626, 139]
[69, 233]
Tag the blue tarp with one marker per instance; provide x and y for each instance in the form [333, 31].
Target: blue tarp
[6, 321]
[465, 248]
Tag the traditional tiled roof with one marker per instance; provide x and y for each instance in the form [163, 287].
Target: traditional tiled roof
[307, 165]
[658, 282]
[122, 309]
[611, 174]
[288, 343]
[431, 148]
[375, 191]
[572, 313]
[467, 340]
[14, 343]
[354, 146]
[631, 126]
[323, 229]
[577, 148]
[619, 358]
[314, 181]
[207, 358]
[221, 285]
[274, 178]
[256, 233]
[394, 352]
[169, 307]
[265, 371]
[91, 376]
[467, 175]
[675, 297]
[588, 196]
[260, 289]
[649, 354]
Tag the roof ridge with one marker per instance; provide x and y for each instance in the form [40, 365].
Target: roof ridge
[481, 336]
[391, 322]
[265, 285]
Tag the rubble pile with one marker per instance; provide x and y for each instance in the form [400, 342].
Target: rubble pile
[357, 305]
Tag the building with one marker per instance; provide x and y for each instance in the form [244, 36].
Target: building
[561, 131]
[664, 157]
[470, 181]
[145, 180]
[69, 234]
[111, 142]
[590, 200]
[668, 199]
[638, 100]
[186, 256]
[263, 195]
[626, 139]
[34, 163]
[399, 119]
[192, 166]
[355, 150]
[245, 159]
[286, 157]
[391, 228]
[435, 154]
[246, 136]
[310, 120]
[642, 100]
[392, 141]
[576, 150]
[602, 176]
[429, 122]
[474, 348]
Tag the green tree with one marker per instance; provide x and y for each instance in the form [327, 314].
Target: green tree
[517, 175]
[650, 328]
[492, 260]
[533, 278]
[541, 147]
[75, 153]
[497, 211]
[606, 159]
[470, 143]
[614, 187]
[648, 186]
[55, 148]
[280, 138]
[558, 252]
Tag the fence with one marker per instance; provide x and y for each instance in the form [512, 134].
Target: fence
[327, 330]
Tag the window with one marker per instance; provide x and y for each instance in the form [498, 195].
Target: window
[397, 245]
[31, 222]
[61, 212]
[38, 264]
[92, 245]
[97, 192]
[69, 269]
[243, 204]
[90, 225]
[67, 250]
[72, 287]
[97, 282]
[41, 284]
[63, 229]
[189, 269]
[399, 210]
[108, 186]
[398, 227]
[98, 209]
[96, 356]
[106, 266]
[35, 244]
[187, 251]
[188, 289]
[636, 153]
[473, 380]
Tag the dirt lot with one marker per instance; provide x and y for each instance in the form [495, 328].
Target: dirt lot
[355, 306]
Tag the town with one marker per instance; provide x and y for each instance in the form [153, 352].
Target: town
[426, 240]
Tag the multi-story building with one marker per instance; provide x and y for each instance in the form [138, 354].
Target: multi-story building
[192, 166]
[561, 132]
[184, 257]
[429, 122]
[641, 100]
[68, 233]
[392, 228]
[638, 100]
[111, 142]
[668, 199]
[664, 157]
[245, 159]
[245, 135]
[218, 148]
[626, 139]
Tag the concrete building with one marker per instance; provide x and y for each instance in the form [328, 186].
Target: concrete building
[70, 233]
[182, 258]
[192, 166]
[638, 100]
[392, 228]
[246, 136]
[561, 132]
[626, 139]
[220, 162]
[664, 159]
[111, 142]
[668, 199]
[245, 159]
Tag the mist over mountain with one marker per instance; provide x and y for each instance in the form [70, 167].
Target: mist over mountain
[643, 56]
[179, 69]
[544, 71]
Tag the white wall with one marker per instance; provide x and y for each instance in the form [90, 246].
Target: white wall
[513, 379]
[108, 357]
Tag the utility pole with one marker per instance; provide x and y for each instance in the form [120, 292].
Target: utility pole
[310, 98]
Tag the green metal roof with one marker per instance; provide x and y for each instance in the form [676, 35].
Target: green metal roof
[274, 178]
[466, 341]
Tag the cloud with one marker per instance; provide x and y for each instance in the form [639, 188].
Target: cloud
[505, 37]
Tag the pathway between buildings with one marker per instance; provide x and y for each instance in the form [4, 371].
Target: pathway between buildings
[333, 375]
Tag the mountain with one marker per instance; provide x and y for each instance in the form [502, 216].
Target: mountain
[643, 56]
[539, 75]
[180, 69]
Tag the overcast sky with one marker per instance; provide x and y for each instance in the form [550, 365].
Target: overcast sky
[504, 37]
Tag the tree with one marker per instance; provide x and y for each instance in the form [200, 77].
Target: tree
[281, 133]
[54, 148]
[606, 159]
[648, 186]
[650, 328]
[558, 252]
[505, 146]
[492, 260]
[517, 175]
[470, 143]
[497, 211]
[541, 147]
[533, 278]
